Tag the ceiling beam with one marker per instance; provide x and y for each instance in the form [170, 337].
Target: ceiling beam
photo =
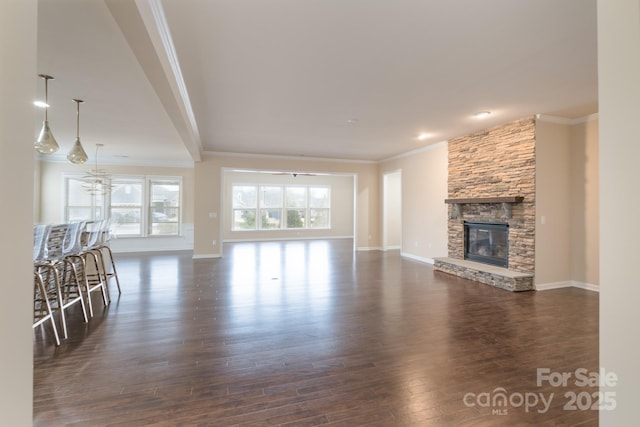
[145, 28]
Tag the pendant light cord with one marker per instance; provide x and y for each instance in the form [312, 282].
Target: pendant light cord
[46, 99]
[78, 101]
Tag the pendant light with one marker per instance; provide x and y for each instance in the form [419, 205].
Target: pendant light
[46, 143]
[77, 154]
[96, 181]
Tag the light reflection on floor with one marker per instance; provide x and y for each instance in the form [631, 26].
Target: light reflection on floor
[256, 288]
[277, 277]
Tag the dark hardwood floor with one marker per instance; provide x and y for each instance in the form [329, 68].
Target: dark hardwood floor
[305, 333]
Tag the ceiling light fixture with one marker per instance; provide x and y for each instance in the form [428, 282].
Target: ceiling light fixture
[97, 180]
[482, 114]
[423, 136]
[46, 143]
[77, 154]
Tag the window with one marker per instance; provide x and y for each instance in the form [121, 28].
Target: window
[270, 207]
[275, 207]
[296, 206]
[245, 199]
[138, 206]
[164, 207]
[127, 199]
[319, 212]
[81, 204]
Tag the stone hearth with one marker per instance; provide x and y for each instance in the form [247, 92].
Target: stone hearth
[489, 275]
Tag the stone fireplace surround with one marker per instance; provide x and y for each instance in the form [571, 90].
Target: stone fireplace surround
[508, 279]
[492, 179]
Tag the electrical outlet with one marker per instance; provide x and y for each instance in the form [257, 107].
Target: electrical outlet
[214, 242]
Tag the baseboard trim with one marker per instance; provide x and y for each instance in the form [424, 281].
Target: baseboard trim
[205, 256]
[567, 284]
[125, 251]
[417, 258]
[553, 285]
[587, 286]
[281, 239]
[157, 248]
[369, 248]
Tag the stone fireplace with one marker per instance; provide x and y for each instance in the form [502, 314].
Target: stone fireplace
[492, 181]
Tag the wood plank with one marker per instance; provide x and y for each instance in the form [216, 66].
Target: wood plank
[309, 333]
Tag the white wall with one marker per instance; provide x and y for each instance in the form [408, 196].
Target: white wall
[424, 213]
[209, 200]
[585, 208]
[619, 95]
[18, 82]
[553, 203]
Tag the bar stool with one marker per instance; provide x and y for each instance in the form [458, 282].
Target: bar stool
[59, 265]
[102, 245]
[95, 279]
[42, 310]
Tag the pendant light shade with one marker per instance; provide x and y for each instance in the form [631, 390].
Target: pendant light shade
[46, 143]
[77, 154]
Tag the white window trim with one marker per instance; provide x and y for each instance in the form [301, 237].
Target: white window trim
[283, 208]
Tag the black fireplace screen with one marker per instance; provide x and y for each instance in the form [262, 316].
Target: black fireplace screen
[487, 243]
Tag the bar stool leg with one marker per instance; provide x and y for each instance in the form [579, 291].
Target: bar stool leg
[114, 272]
[40, 288]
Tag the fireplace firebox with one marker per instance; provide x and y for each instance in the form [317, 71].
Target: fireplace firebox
[487, 242]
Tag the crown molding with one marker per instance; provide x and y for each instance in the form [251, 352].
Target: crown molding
[285, 157]
[414, 152]
[565, 121]
[585, 119]
[188, 164]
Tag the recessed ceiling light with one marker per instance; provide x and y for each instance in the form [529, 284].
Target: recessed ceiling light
[482, 114]
[423, 136]
[352, 121]
[40, 104]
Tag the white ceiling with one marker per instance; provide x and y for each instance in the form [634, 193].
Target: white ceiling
[166, 80]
